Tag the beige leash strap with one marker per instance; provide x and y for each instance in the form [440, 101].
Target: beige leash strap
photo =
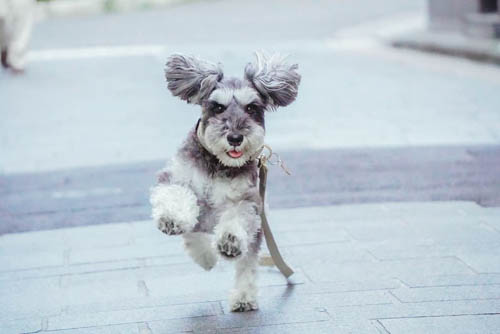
[271, 243]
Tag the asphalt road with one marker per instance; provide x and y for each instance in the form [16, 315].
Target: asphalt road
[119, 193]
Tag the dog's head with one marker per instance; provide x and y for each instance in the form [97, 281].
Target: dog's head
[232, 121]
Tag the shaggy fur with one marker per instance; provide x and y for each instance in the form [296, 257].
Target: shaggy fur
[208, 192]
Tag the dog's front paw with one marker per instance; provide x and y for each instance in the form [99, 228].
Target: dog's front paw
[169, 227]
[229, 245]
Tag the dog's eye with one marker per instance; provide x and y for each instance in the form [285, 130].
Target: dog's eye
[218, 108]
[251, 108]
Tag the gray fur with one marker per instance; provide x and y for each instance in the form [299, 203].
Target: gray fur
[274, 79]
[190, 78]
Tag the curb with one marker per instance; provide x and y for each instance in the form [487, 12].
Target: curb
[454, 44]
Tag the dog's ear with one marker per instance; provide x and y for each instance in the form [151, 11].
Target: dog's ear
[274, 78]
[190, 78]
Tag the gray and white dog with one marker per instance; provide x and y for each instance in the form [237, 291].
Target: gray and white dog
[209, 191]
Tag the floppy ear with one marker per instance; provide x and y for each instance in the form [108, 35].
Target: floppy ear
[190, 78]
[274, 78]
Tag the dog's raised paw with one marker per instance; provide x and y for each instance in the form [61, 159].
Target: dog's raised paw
[169, 227]
[229, 245]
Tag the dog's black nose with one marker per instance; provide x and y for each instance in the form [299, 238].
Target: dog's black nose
[234, 139]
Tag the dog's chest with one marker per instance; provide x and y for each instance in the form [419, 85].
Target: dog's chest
[214, 190]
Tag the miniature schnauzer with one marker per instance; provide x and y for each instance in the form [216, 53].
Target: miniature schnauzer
[208, 192]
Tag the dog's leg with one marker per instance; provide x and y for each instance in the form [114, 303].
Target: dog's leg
[236, 229]
[175, 208]
[200, 247]
[244, 295]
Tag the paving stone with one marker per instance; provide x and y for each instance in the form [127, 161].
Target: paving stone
[482, 262]
[356, 267]
[311, 236]
[253, 319]
[133, 251]
[32, 242]
[427, 294]
[334, 215]
[20, 326]
[74, 269]
[30, 299]
[386, 269]
[12, 262]
[464, 324]
[455, 234]
[324, 253]
[434, 209]
[452, 280]
[355, 284]
[304, 327]
[350, 314]
[108, 329]
[132, 316]
[408, 249]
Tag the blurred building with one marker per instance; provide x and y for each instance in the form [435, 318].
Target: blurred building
[474, 18]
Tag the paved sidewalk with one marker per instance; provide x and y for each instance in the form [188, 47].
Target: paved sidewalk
[375, 268]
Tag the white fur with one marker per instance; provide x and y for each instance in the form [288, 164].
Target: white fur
[244, 295]
[243, 96]
[222, 96]
[199, 246]
[246, 95]
[175, 203]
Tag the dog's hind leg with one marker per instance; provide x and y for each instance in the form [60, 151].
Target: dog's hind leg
[199, 246]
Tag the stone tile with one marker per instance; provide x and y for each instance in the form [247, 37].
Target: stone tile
[319, 327]
[452, 280]
[75, 269]
[259, 318]
[427, 294]
[408, 249]
[32, 242]
[354, 285]
[30, 260]
[434, 209]
[381, 229]
[324, 253]
[349, 314]
[133, 251]
[108, 329]
[385, 269]
[99, 236]
[132, 316]
[336, 215]
[455, 234]
[310, 236]
[464, 324]
[423, 254]
[482, 262]
[30, 299]
[20, 326]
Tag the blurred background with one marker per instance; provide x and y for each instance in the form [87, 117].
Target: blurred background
[399, 101]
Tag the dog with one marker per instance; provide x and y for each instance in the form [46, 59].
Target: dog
[208, 192]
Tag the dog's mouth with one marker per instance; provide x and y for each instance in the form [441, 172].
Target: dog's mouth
[235, 154]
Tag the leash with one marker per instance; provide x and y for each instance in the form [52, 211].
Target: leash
[276, 257]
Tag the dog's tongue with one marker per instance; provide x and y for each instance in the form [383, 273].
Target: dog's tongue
[235, 154]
